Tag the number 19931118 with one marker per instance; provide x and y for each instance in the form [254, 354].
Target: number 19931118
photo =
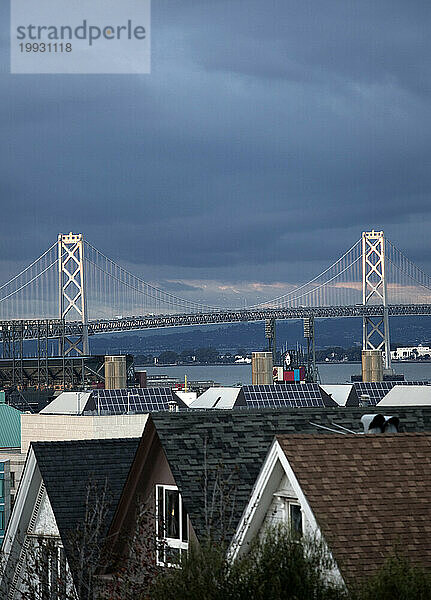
[42, 47]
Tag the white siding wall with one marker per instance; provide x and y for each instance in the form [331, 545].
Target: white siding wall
[278, 511]
[48, 428]
[45, 522]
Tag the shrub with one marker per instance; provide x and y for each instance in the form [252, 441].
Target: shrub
[397, 579]
[278, 566]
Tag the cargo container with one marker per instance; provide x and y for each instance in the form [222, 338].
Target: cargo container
[294, 375]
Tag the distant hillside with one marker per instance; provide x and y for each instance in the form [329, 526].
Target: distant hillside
[251, 336]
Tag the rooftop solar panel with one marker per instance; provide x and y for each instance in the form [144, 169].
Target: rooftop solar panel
[378, 390]
[293, 395]
[136, 400]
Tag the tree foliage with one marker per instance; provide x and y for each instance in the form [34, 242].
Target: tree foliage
[277, 566]
[135, 573]
[168, 357]
[281, 567]
[397, 579]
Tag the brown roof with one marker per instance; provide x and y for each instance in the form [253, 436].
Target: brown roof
[369, 494]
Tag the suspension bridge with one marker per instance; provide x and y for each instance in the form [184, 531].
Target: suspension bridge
[73, 290]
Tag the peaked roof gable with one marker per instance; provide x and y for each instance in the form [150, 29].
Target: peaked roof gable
[68, 469]
[369, 494]
[220, 397]
[414, 395]
[232, 445]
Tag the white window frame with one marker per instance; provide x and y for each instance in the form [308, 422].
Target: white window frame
[174, 543]
[289, 503]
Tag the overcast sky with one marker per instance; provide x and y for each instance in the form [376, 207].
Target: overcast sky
[268, 136]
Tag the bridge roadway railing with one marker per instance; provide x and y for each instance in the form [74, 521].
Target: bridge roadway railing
[238, 316]
[32, 328]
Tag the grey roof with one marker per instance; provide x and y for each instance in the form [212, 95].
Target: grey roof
[219, 397]
[67, 468]
[286, 395]
[67, 403]
[340, 393]
[234, 445]
[377, 390]
[413, 395]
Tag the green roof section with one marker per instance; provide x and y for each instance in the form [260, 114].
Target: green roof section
[10, 425]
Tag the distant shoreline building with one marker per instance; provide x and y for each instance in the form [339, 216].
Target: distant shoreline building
[411, 353]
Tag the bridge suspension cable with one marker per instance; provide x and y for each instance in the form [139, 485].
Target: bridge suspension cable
[112, 291]
[407, 283]
[27, 268]
[32, 293]
[339, 284]
[109, 282]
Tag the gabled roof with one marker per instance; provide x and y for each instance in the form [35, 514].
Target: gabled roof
[287, 395]
[369, 494]
[342, 394]
[292, 395]
[197, 443]
[413, 395]
[377, 390]
[219, 397]
[67, 468]
[134, 400]
[67, 403]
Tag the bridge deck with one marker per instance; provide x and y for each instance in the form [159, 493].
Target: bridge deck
[29, 328]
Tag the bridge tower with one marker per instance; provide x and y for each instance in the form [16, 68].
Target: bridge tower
[71, 287]
[375, 329]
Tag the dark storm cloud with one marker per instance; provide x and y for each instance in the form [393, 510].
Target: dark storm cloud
[268, 136]
[179, 286]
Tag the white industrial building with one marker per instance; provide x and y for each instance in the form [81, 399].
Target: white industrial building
[411, 353]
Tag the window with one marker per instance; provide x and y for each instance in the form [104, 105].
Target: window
[50, 569]
[295, 519]
[12, 479]
[171, 525]
[1, 519]
[1, 488]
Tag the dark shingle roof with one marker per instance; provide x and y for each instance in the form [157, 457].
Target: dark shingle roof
[68, 467]
[369, 494]
[239, 441]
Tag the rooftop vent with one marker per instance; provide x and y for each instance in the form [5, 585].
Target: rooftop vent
[365, 400]
[173, 406]
[380, 424]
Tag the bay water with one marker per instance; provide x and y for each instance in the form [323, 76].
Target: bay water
[241, 374]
